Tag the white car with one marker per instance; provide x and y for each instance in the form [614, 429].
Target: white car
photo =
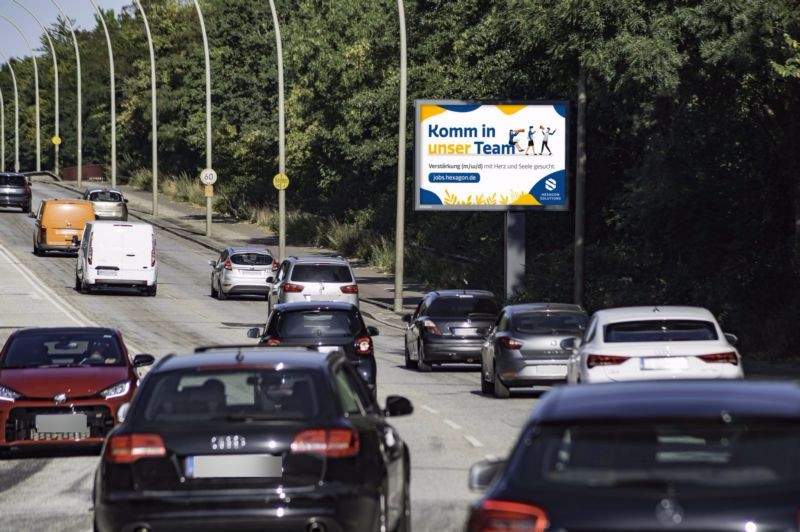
[645, 343]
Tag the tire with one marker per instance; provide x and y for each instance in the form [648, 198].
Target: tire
[85, 288]
[486, 386]
[404, 524]
[36, 251]
[221, 295]
[410, 364]
[500, 390]
[214, 292]
[422, 364]
[26, 209]
[151, 290]
[77, 283]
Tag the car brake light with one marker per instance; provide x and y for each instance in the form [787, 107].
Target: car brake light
[293, 288]
[604, 360]
[130, 447]
[89, 250]
[333, 443]
[497, 516]
[431, 327]
[720, 358]
[228, 265]
[275, 266]
[153, 253]
[349, 289]
[27, 189]
[364, 345]
[510, 343]
[274, 341]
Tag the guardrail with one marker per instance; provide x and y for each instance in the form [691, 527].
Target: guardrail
[43, 172]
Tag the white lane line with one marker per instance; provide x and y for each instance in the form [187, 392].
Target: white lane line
[452, 424]
[429, 409]
[475, 442]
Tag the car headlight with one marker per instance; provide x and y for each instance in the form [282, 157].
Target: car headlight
[7, 394]
[121, 388]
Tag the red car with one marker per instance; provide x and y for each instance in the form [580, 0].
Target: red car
[64, 385]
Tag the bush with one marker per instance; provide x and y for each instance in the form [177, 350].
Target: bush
[141, 179]
[382, 255]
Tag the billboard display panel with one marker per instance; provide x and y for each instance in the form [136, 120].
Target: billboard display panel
[478, 155]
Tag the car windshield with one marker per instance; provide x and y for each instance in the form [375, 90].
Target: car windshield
[105, 195]
[314, 323]
[12, 181]
[251, 259]
[707, 454]
[321, 273]
[462, 306]
[660, 331]
[63, 350]
[549, 322]
[240, 395]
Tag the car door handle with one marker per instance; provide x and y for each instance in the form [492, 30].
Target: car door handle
[130, 255]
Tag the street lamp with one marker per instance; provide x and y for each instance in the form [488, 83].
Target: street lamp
[401, 169]
[152, 107]
[281, 136]
[55, 79]
[113, 91]
[80, 111]
[36, 88]
[16, 112]
[208, 110]
[2, 133]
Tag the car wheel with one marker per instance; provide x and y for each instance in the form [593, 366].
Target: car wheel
[77, 283]
[422, 364]
[214, 292]
[26, 209]
[151, 290]
[85, 289]
[404, 523]
[221, 295]
[36, 250]
[410, 364]
[500, 390]
[486, 386]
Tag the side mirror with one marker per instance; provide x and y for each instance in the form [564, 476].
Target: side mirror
[372, 331]
[731, 338]
[270, 279]
[406, 318]
[255, 332]
[125, 200]
[568, 344]
[212, 263]
[397, 405]
[75, 240]
[122, 411]
[143, 359]
[482, 474]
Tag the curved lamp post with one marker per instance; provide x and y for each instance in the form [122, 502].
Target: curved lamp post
[401, 169]
[113, 97]
[281, 136]
[80, 111]
[36, 88]
[208, 109]
[152, 106]
[55, 77]
[16, 112]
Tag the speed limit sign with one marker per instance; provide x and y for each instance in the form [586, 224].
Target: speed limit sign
[208, 176]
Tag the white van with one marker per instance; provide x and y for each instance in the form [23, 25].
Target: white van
[117, 254]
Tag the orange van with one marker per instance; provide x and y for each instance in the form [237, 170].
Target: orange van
[57, 222]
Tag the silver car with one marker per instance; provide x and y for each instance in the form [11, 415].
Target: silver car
[108, 203]
[313, 279]
[242, 270]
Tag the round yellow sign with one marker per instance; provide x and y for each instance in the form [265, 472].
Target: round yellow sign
[280, 181]
[56, 140]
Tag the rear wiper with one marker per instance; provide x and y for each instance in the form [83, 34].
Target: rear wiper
[244, 418]
[481, 314]
[656, 483]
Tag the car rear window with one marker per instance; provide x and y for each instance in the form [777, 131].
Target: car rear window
[707, 454]
[12, 181]
[238, 395]
[549, 322]
[105, 195]
[463, 305]
[321, 273]
[252, 259]
[63, 349]
[659, 331]
[314, 323]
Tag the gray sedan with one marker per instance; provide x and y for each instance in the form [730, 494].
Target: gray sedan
[108, 203]
[524, 346]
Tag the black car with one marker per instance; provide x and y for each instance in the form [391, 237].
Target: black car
[449, 326]
[324, 325]
[238, 438]
[15, 191]
[646, 456]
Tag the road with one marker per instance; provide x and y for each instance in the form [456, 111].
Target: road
[452, 427]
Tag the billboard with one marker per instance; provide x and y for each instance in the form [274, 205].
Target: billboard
[478, 155]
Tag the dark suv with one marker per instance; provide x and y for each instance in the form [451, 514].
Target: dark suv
[15, 191]
[329, 325]
[449, 326]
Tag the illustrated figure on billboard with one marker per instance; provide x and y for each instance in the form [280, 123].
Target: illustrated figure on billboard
[531, 131]
[512, 138]
[546, 134]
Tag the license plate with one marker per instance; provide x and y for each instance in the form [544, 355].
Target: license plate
[664, 363]
[60, 423]
[107, 273]
[252, 273]
[465, 332]
[234, 466]
[552, 371]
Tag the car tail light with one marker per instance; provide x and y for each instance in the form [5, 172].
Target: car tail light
[228, 264]
[153, 253]
[293, 288]
[333, 443]
[273, 341]
[349, 289]
[130, 447]
[275, 265]
[431, 327]
[89, 249]
[364, 345]
[720, 358]
[510, 343]
[27, 189]
[505, 516]
[605, 360]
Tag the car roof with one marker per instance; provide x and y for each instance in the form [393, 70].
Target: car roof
[543, 307]
[248, 249]
[33, 331]
[102, 189]
[118, 222]
[439, 293]
[230, 357]
[612, 315]
[320, 259]
[314, 305]
[12, 174]
[68, 202]
[669, 399]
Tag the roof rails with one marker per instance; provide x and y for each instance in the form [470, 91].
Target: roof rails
[240, 347]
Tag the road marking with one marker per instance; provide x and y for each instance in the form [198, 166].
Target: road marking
[452, 424]
[428, 409]
[475, 442]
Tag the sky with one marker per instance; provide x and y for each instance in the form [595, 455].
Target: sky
[80, 11]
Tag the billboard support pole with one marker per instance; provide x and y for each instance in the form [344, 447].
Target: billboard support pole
[580, 183]
[515, 253]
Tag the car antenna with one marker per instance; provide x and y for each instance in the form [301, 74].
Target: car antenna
[656, 309]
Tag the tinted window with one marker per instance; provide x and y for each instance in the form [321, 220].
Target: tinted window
[550, 323]
[12, 181]
[105, 195]
[64, 349]
[660, 331]
[710, 454]
[348, 395]
[314, 323]
[321, 273]
[235, 395]
[463, 306]
[251, 259]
